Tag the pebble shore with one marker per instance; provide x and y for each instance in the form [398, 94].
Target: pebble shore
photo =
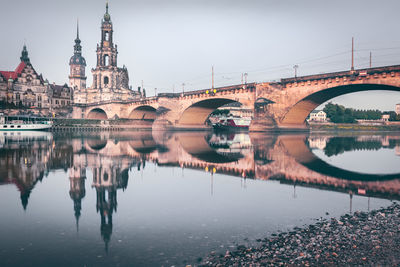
[363, 238]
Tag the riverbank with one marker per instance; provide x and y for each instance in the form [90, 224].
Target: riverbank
[363, 238]
[353, 127]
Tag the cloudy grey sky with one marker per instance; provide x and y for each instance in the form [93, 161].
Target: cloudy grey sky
[167, 43]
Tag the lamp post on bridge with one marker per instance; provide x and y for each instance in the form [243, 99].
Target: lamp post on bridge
[295, 67]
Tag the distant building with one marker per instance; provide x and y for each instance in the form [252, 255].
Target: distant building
[61, 96]
[397, 109]
[317, 116]
[110, 83]
[385, 117]
[25, 91]
[24, 87]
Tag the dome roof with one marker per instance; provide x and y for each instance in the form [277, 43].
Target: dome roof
[107, 17]
[77, 60]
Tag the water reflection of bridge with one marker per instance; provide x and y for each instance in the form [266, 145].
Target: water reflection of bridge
[110, 157]
[285, 157]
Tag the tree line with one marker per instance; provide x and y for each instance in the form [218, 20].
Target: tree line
[340, 114]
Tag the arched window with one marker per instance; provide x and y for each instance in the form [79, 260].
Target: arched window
[106, 60]
[106, 81]
[107, 36]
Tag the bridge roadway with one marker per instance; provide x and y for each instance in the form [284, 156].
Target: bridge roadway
[277, 105]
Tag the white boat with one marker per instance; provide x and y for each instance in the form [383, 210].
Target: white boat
[21, 125]
[232, 123]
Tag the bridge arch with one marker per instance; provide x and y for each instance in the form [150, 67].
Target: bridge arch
[298, 113]
[198, 146]
[97, 144]
[298, 149]
[97, 114]
[197, 113]
[143, 113]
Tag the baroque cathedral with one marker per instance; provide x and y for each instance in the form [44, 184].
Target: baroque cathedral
[110, 83]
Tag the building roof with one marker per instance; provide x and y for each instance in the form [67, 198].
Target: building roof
[14, 74]
[58, 89]
[316, 111]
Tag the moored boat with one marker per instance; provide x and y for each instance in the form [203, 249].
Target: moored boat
[232, 123]
[23, 125]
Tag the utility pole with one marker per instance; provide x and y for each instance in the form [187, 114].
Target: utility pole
[295, 67]
[245, 77]
[370, 59]
[352, 53]
[212, 74]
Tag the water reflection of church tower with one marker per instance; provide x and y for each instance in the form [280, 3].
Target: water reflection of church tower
[107, 180]
[77, 191]
[106, 205]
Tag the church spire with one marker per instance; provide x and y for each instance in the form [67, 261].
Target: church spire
[107, 15]
[77, 28]
[77, 46]
[77, 64]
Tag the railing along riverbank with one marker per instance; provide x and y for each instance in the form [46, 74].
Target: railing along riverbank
[71, 125]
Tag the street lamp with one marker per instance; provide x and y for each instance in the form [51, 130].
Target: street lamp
[295, 67]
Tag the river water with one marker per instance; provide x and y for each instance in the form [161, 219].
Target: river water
[162, 199]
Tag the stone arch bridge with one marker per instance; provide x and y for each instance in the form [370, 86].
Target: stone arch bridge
[277, 105]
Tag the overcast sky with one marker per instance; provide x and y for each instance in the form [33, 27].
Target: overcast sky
[168, 43]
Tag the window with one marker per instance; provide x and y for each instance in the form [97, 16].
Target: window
[106, 60]
[106, 81]
[62, 102]
[107, 36]
[17, 96]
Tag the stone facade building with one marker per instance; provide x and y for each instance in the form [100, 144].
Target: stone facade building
[24, 91]
[61, 96]
[24, 87]
[110, 83]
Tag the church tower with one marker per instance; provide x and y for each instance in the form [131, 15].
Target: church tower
[109, 80]
[77, 63]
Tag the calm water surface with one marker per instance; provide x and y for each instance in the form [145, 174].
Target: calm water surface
[154, 199]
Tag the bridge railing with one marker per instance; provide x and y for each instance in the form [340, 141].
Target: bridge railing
[355, 73]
